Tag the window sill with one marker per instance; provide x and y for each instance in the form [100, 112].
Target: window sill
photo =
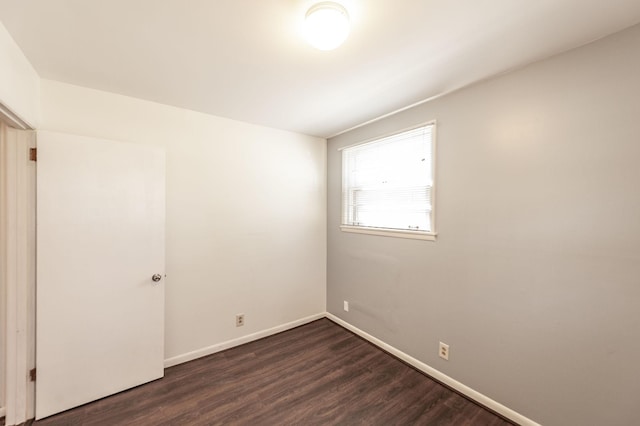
[397, 233]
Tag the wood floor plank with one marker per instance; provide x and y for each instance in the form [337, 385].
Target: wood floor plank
[316, 374]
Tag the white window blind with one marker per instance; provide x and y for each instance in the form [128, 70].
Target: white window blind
[388, 183]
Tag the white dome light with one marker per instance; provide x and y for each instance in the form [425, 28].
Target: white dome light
[326, 25]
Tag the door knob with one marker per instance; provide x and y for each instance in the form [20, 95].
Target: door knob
[156, 277]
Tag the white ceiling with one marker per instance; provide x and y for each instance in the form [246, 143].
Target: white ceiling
[245, 59]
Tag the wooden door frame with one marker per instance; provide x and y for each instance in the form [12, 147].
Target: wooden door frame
[17, 255]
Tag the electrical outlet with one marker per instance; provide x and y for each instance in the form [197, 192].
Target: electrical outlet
[443, 351]
[346, 306]
[239, 320]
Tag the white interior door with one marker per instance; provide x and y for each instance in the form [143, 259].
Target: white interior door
[100, 239]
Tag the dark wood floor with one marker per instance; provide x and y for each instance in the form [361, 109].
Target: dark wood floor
[317, 374]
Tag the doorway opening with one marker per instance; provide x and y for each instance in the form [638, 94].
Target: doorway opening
[17, 269]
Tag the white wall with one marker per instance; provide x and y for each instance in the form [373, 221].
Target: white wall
[19, 82]
[246, 217]
[534, 280]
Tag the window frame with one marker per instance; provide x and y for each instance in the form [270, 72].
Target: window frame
[389, 232]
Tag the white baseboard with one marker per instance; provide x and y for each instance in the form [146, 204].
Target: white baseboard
[190, 356]
[441, 377]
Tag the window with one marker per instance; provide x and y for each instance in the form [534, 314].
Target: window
[387, 185]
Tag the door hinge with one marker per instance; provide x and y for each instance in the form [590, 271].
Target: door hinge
[32, 374]
[33, 154]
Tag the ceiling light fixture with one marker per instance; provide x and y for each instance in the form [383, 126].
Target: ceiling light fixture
[326, 25]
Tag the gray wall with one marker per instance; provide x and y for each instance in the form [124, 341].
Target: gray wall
[534, 280]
